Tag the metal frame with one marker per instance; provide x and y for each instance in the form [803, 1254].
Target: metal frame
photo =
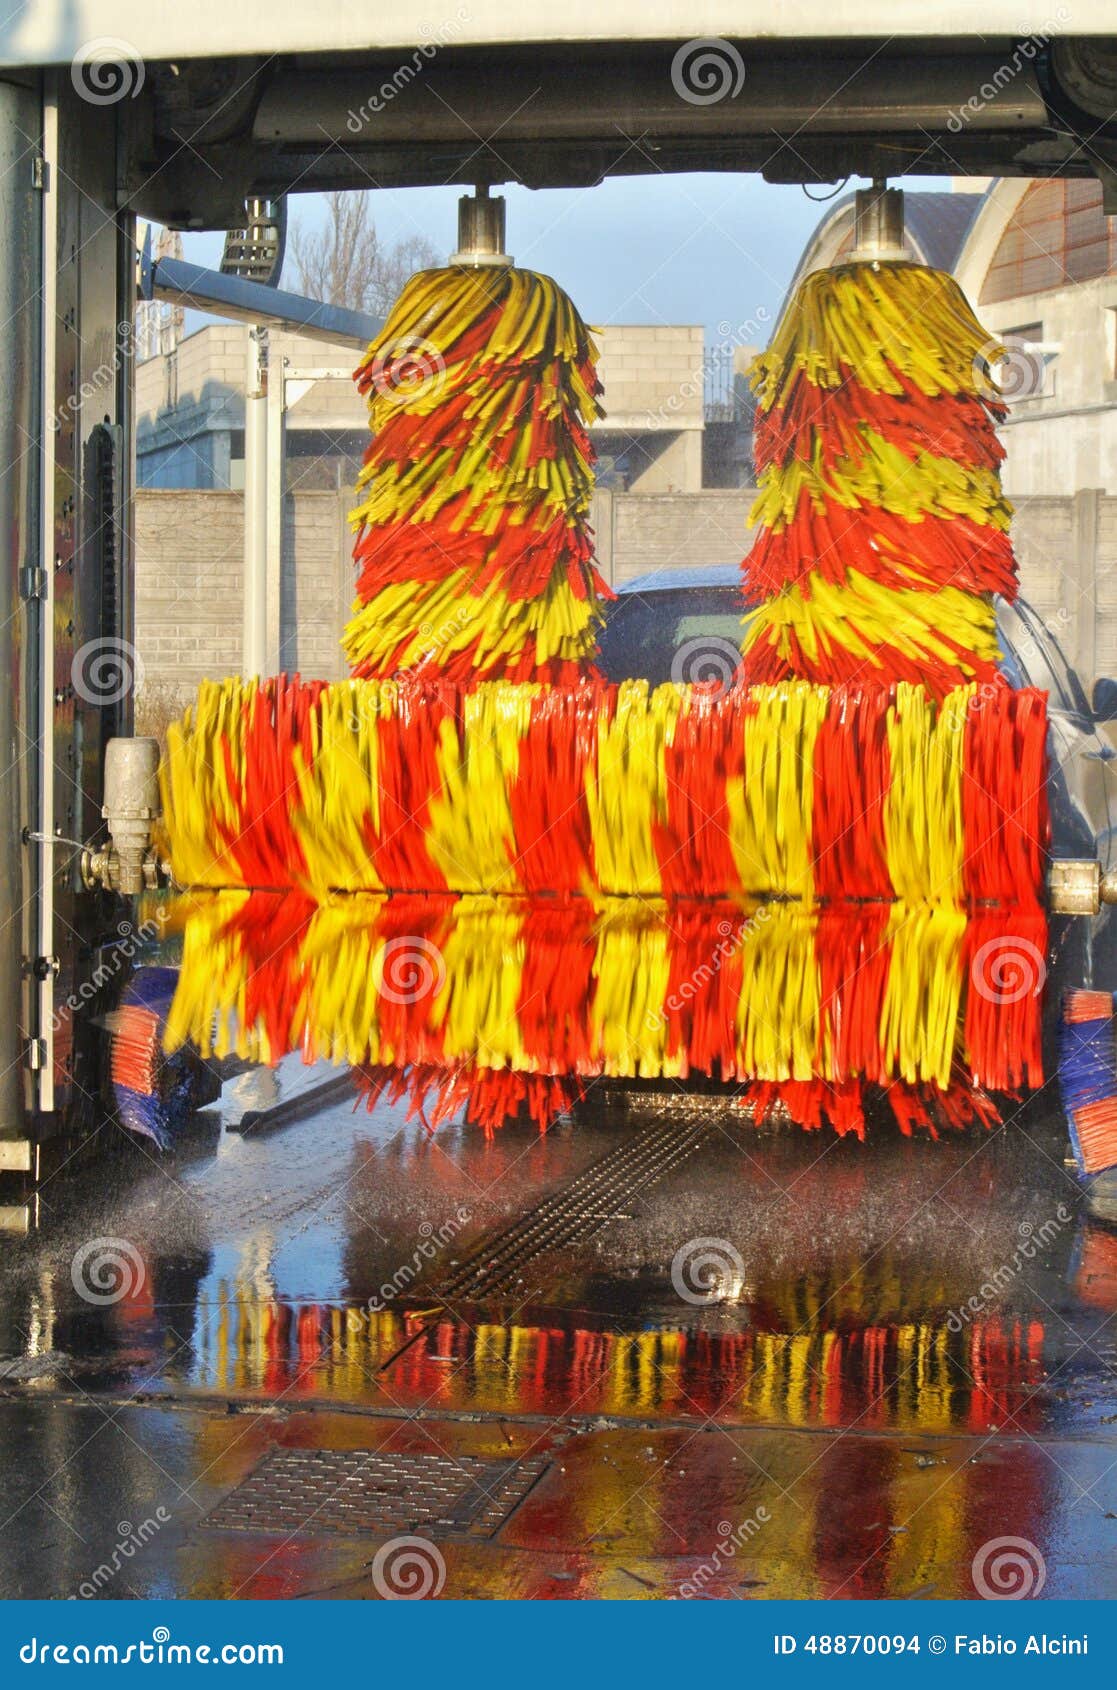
[252, 302]
[42, 1044]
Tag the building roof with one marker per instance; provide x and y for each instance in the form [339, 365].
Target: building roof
[670, 580]
[939, 224]
[936, 225]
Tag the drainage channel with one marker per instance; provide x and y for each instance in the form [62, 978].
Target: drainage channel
[598, 1196]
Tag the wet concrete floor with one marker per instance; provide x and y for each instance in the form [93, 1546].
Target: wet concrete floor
[585, 1365]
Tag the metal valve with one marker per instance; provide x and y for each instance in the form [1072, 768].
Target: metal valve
[131, 789]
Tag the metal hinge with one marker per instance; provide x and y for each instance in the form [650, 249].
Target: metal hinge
[33, 581]
[40, 173]
[36, 1055]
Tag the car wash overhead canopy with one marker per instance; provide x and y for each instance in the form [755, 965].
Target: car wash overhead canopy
[804, 94]
[55, 33]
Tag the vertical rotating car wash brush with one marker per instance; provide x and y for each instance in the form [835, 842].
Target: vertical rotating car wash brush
[474, 551]
[883, 528]
[474, 554]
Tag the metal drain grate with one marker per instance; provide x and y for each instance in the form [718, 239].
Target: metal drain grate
[352, 1492]
[599, 1195]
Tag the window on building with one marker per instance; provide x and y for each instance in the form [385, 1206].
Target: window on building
[1028, 369]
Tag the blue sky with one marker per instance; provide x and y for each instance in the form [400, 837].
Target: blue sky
[662, 249]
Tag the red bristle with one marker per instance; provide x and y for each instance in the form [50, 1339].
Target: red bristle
[135, 1048]
[963, 429]
[1096, 1127]
[553, 1009]
[830, 539]
[1085, 1005]
[704, 985]
[490, 1097]
[704, 755]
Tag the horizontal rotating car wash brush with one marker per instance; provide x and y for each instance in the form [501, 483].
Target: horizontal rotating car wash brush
[787, 887]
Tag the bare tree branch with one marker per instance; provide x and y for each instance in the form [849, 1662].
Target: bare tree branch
[346, 263]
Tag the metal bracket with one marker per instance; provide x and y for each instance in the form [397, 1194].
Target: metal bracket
[481, 237]
[1077, 886]
[879, 226]
[33, 581]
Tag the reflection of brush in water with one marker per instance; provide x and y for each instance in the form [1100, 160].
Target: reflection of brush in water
[1095, 1278]
[919, 1376]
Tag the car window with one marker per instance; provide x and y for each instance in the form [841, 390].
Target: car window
[644, 632]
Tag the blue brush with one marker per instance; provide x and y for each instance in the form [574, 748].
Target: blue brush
[1088, 1078]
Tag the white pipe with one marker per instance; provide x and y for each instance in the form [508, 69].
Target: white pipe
[273, 485]
[254, 658]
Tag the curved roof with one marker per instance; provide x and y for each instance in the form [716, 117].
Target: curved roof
[936, 226]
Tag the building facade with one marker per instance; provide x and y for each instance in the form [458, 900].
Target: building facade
[190, 411]
[1038, 262]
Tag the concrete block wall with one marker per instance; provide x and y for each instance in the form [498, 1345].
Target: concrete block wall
[189, 585]
[1067, 551]
[639, 532]
[317, 581]
[190, 559]
[189, 581]
[653, 377]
